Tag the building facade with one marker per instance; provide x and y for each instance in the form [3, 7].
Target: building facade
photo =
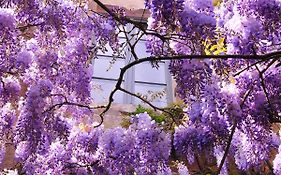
[153, 84]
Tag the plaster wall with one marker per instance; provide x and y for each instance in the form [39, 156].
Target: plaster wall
[129, 4]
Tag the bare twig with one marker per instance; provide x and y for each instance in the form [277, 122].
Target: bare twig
[123, 20]
[248, 67]
[227, 146]
[129, 40]
[67, 103]
[263, 85]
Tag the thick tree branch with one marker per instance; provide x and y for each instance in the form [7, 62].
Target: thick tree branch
[273, 55]
[123, 20]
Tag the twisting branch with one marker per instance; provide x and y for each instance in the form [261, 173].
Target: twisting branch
[68, 103]
[74, 165]
[248, 67]
[227, 146]
[123, 70]
[123, 20]
[263, 85]
[149, 103]
[139, 97]
[232, 133]
[129, 40]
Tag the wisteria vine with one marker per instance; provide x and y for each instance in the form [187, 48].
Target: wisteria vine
[225, 58]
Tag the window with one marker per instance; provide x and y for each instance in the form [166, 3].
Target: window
[141, 79]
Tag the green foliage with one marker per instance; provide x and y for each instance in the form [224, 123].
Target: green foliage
[158, 117]
[173, 116]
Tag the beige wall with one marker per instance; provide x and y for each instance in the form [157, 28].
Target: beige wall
[129, 4]
[133, 8]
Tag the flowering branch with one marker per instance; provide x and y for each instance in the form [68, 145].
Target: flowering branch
[232, 133]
